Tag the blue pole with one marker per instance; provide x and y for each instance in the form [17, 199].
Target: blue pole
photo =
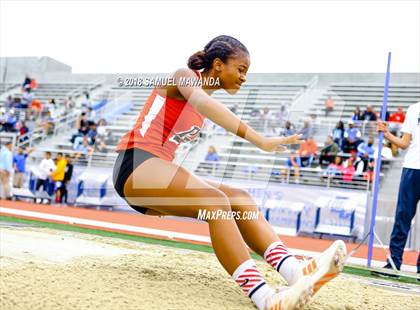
[378, 165]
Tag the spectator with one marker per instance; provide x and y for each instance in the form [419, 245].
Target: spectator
[348, 171]
[48, 123]
[26, 83]
[210, 161]
[83, 148]
[100, 146]
[235, 108]
[67, 178]
[306, 130]
[398, 116]
[289, 129]
[19, 164]
[328, 152]
[58, 175]
[27, 98]
[338, 134]
[46, 167]
[83, 126]
[51, 106]
[307, 152]
[69, 103]
[23, 130]
[357, 115]
[335, 169]
[92, 133]
[86, 103]
[6, 170]
[295, 163]
[366, 151]
[329, 105]
[369, 114]
[351, 138]
[9, 102]
[3, 119]
[11, 122]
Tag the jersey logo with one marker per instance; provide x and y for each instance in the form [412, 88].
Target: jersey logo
[185, 136]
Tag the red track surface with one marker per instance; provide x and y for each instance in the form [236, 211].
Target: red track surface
[195, 228]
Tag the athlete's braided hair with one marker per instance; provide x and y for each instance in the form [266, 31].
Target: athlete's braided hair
[221, 47]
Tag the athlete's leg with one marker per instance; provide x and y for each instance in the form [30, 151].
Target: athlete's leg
[260, 236]
[262, 239]
[169, 189]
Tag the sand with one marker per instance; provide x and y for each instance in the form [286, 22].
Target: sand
[50, 269]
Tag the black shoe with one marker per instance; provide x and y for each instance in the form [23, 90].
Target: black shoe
[385, 274]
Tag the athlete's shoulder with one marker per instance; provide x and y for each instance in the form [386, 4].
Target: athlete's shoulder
[185, 73]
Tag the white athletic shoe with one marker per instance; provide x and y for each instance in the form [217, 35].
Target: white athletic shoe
[327, 266]
[291, 297]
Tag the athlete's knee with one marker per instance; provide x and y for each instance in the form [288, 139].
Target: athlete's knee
[241, 200]
[216, 201]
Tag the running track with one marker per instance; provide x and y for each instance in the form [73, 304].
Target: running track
[173, 229]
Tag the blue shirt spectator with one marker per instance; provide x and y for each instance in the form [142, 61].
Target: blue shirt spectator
[366, 150]
[19, 160]
[352, 133]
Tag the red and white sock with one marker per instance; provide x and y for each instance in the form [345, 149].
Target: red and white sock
[252, 283]
[278, 256]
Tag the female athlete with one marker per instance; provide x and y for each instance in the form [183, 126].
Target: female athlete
[146, 178]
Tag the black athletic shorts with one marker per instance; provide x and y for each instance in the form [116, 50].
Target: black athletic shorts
[127, 161]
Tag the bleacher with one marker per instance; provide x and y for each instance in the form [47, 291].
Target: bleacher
[347, 96]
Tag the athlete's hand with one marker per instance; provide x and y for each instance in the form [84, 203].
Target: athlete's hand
[382, 126]
[276, 144]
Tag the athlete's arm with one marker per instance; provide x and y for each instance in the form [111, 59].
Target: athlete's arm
[221, 115]
[402, 143]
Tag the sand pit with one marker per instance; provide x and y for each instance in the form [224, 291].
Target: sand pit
[49, 269]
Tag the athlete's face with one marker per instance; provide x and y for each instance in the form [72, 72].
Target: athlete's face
[233, 72]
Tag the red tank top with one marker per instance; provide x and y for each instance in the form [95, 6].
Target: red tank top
[164, 123]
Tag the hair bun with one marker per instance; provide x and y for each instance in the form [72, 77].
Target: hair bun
[197, 61]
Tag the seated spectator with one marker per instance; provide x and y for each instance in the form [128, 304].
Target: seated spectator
[369, 114]
[100, 146]
[335, 169]
[83, 148]
[103, 134]
[349, 171]
[398, 116]
[69, 103]
[338, 134]
[295, 163]
[289, 129]
[9, 102]
[306, 129]
[366, 150]
[357, 115]
[235, 108]
[328, 152]
[329, 105]
[92, 133]
[48, 123]
[351, 138]
[86, 103]
[3, 119]
[357, 163]
[51, 106]
[10, 124]
[26, 100]
[210, 161]
[307, 152]
[26, 83]
[82, 124]
[23, 130]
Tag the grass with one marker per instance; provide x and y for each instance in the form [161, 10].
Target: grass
[358, 271]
